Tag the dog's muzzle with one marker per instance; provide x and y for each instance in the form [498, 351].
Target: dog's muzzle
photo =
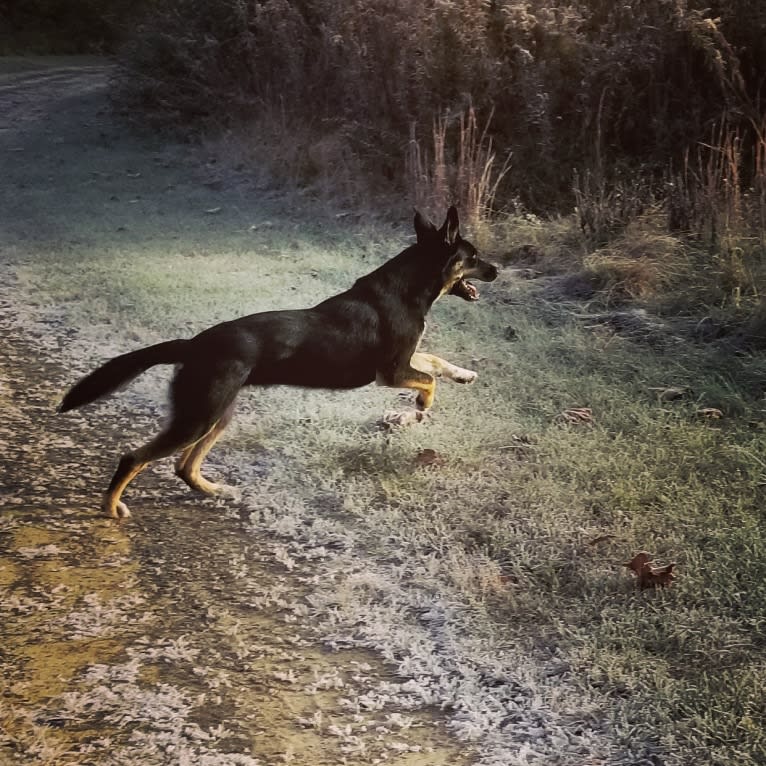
[486, 272]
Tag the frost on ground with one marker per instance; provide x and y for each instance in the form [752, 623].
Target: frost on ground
[252, 628]
[285, 622]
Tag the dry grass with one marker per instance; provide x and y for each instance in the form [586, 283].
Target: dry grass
[276, 152]
[641, 265]
[459, 169]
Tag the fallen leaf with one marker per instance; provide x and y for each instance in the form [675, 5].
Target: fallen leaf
[427, 457]
[712, 413]
[648, 575]
[577, 415]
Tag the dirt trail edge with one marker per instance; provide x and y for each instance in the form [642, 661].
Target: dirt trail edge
[259, 628]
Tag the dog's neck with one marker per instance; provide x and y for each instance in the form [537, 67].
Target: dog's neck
[420, 275]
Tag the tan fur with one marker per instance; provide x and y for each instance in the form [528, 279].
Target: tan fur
[189, 463]
[438, 367]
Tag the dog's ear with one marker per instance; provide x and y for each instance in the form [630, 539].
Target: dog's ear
[451, 227]
[423, 227]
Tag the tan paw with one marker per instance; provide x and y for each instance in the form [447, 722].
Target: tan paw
[205, 487]
[115, 510]
[199, 483]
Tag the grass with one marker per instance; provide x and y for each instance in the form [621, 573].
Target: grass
[645, 476]
[516, 540]
[528, 520]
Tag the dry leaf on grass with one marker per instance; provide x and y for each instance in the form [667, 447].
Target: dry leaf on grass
[577, 416]
[648, 575]
[711, 413]
[428, 457]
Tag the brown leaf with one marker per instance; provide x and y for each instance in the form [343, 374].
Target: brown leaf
[712, 413]
[647, 574]
[577, 415]
[428, 457]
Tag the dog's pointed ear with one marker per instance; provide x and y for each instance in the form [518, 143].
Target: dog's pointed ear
[423, 227]
[451, 226]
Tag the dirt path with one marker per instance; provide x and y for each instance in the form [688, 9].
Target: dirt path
[127, 644]
[218, 631]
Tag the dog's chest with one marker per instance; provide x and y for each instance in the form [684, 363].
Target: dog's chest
[423, 329]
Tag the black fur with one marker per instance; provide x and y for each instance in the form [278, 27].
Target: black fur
[367, 333]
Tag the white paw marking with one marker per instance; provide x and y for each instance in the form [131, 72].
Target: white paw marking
[118, 511]
[464, 376]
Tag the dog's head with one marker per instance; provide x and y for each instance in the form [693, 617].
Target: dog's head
[461, 260]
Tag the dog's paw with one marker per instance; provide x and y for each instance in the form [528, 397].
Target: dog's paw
[202, 485]
[117, 510]
[464, 376]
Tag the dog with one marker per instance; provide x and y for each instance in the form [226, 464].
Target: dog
[369, 333]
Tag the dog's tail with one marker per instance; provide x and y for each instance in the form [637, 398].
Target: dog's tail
[121, 370]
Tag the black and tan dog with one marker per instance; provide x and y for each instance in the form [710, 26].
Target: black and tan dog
[368, 333]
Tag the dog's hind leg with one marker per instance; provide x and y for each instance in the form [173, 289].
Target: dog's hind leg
[177, 435]
[201, 398]
[190, 461]
[438, 367]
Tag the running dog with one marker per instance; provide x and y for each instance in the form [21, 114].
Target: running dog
[367, 333]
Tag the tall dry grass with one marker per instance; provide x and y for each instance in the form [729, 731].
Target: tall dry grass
[462, 170]
[552, 75]
[593, 101]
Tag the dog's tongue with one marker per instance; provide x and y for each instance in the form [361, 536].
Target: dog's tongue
[465, 290]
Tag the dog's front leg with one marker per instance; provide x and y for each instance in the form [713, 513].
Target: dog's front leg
[409, 377]
[438, 367]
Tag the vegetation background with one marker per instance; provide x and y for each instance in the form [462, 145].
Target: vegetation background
[618, 151]
[647, 110]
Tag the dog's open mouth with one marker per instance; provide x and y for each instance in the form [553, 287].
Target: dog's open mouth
[466, 290]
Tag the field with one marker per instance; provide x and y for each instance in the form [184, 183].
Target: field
[450, 593]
